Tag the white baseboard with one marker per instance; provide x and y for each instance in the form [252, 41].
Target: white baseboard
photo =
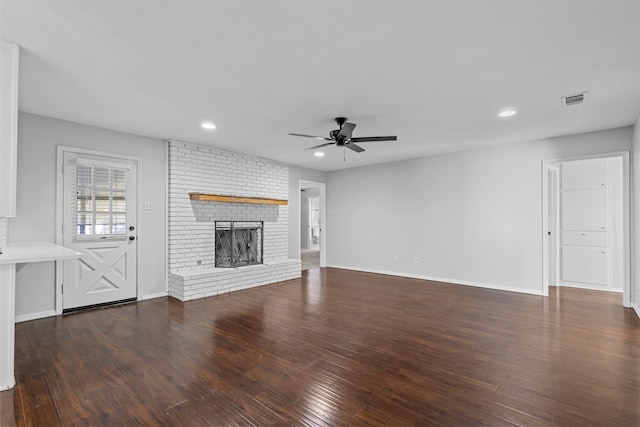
[441, 279]
[636, 308]
[34, 316]
[155, 295]
[49, 313]
[589, 287]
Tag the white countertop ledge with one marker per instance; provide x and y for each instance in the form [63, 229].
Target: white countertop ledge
[16, 253]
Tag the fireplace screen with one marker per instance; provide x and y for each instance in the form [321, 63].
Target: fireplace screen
[238, 243]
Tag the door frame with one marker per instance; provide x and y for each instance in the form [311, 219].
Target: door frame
[323, 217]
[626, 219]
[60, 149]
[553, 212]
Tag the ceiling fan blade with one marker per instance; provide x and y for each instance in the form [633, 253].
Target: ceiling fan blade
[346, 130]
[311, 136]
[321, 145]
[354, 147]
[374, 138]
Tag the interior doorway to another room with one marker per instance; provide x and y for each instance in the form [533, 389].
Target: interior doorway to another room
[312, 220]
[313, 226]
[586, 223]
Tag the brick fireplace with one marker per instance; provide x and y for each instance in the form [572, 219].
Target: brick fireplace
[192, 232]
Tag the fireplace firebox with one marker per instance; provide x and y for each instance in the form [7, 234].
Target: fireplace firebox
[238, 243]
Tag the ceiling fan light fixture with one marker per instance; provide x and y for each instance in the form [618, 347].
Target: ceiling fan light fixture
[507, 113]
[319, 154]
[208, 125]
[343, 137]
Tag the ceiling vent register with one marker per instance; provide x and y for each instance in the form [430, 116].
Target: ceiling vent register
[568, 101]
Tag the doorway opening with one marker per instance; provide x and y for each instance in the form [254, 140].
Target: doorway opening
[312, 225]
[586, 223]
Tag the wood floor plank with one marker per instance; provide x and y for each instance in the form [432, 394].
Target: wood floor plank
[11, 412]
[38, 406]
[335, 347]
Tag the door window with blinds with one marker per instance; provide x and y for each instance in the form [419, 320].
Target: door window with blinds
[101, 200]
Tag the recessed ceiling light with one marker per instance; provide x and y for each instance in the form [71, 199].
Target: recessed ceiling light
[318, 154]
[507, 113]
[208, 125]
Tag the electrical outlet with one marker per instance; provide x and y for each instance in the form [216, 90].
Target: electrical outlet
[416, 260]
[148, 206]
[396, 258]
[199, 262]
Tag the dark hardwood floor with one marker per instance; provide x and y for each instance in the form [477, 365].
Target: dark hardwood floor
[336, 347]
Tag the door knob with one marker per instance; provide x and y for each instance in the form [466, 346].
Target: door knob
[132, 237]
[131, 228]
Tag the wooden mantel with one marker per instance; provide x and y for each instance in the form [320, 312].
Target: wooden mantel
[236, 199]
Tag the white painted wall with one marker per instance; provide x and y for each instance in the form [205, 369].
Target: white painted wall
[38, 137]
[635, 219]
[295, 175]
[473, 217]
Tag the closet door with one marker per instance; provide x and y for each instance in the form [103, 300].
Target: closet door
[584, 258]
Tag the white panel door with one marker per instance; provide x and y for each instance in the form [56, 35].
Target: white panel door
[99, 202]
[591, 173]
[584, 265]
[584, 212]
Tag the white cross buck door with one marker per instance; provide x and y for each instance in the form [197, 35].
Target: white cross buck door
[99, 208]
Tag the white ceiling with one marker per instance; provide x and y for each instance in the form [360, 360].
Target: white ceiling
[434, 73]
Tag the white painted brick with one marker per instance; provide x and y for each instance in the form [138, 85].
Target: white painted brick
[191, 224]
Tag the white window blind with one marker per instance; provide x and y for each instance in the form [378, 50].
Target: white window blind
[101, 200]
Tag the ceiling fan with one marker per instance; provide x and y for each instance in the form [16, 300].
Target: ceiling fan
[342, 137]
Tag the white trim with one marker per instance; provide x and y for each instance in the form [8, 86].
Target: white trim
[140, 234]
[626, 224]
[554, 227]
[7, 325]
[59, 220]
[98, 153]
[323, 216]
[636, 309]
[589, 287]
[154, 295]
[101, 163]
[9, 128]
[441, 279]
[60, 150]
[34, 316]
[299, 213]
[166, 218]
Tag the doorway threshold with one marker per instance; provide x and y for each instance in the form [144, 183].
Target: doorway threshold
[96, 306]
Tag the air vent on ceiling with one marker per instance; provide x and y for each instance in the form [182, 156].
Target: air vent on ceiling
[568, 101]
